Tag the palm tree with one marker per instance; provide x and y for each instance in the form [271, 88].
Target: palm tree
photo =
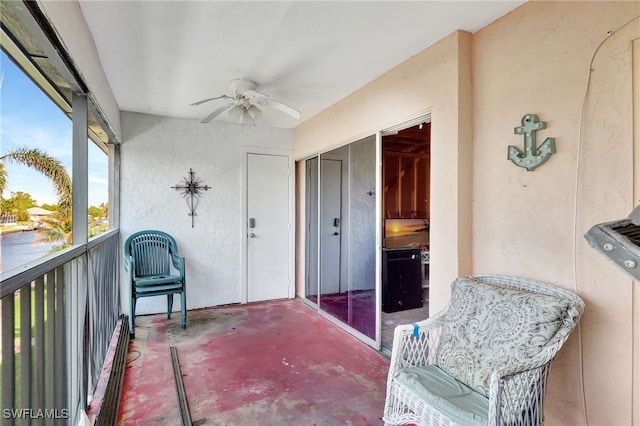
[53, 169]
[3, 179]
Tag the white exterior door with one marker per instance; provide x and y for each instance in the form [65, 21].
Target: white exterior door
[268, 228]
[330, 225]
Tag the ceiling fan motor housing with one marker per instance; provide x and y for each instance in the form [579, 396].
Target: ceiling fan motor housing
[242, 85]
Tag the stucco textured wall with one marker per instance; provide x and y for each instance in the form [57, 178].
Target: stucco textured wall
[156, 154]
[431, 81]
[535, 60]
[489, 216]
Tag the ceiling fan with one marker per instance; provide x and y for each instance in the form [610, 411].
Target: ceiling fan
[244, 103]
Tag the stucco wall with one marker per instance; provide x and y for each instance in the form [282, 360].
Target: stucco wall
[535, 60]
[478, 87]
[437, 79]
[157, 154]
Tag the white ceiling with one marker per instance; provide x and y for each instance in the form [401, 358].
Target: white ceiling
[161, 56]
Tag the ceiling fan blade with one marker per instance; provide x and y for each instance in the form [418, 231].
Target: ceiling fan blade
[211, 99]
[279, 106]
[256, 115]
[236, 112]
[215, 113]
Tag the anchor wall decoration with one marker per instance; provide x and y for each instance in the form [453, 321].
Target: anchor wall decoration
[532, 156]
[191, 189]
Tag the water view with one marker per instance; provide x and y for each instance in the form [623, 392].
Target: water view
[20, 248]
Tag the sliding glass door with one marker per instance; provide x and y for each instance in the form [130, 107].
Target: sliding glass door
[341, 235]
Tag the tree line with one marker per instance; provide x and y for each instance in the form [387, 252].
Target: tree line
[58, 225]
[19, 203]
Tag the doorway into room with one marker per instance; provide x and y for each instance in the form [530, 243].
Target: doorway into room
[406, 169]
[367, 223]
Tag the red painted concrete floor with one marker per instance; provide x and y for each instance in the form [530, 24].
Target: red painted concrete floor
[272, 363]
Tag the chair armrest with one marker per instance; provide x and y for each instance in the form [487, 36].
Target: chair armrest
[517, 396]
[129, 264]
[178, 263]
[415, 344]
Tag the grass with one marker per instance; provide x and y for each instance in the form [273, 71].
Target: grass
[20, 226]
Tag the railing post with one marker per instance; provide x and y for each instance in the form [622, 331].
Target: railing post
[26, 364]
[114, 186]
[80, 168]
[50, 338]
[61, 402]
[8, 355]
[39, 339]
[76, 329]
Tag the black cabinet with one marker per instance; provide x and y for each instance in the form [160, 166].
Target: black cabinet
[401, 279]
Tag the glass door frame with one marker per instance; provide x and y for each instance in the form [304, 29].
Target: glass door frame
[376, 342]
[423, 116]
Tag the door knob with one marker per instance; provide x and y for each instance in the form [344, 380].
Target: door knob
[252, 235]
[336, 233]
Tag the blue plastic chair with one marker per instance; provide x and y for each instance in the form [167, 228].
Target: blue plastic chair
[148, 259]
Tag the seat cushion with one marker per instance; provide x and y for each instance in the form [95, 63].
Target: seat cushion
[458, 402]
[155, 280]
[491, 327]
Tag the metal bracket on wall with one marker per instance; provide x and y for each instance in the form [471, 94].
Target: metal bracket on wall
[532, 156]
[619, 240]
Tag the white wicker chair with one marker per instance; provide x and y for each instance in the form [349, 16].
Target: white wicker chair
[494, 343]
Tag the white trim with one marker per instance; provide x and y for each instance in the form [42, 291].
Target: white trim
[345, 212]
[423, 117]
[246, 150]
[114, 186]
[80, 169]
[378, 342]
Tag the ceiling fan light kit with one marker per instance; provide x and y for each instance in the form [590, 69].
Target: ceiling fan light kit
[243, 106]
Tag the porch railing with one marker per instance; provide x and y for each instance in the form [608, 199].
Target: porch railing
[57, 318]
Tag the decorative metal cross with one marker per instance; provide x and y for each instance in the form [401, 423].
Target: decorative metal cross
[532, 157]
[191, 189]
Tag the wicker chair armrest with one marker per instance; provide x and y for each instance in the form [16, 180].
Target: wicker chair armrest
[516, 393]
[415, 344]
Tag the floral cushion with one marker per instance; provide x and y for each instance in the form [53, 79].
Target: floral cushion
[491, 327]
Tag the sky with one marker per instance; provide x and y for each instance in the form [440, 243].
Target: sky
[28, 118]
